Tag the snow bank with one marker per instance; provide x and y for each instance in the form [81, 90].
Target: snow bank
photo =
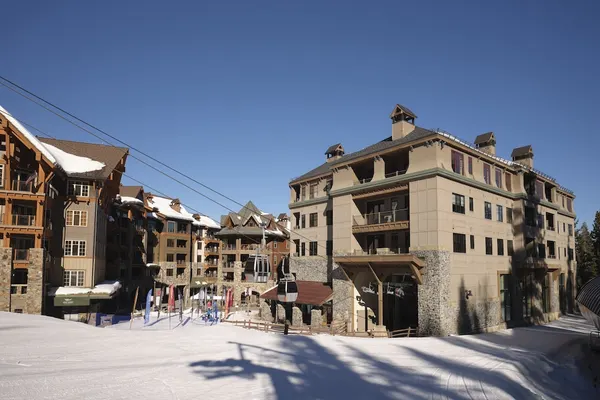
[71, 163]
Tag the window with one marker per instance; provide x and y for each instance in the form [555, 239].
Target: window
[76, 218]
[488, 246]
[303, 249]
[75, 248]
[329, 217]
[169, 270]
[312, 191]
[472, 242]
[312, 220]
[487, 174]
[303, 224]
[459, 243]
[182, 227]
[170, 257]
[183, 244]
[297, 246]
[180, 272]
[458, 162]
[570, 229]
[1, 175]
[499, 178]
[509, 215]
[541, 250]
[329, 247]
[505, 299]
[509, 248]
[458, 203]
[564, 227]
[499, 213]
[570, 254]
[312, 249]
[507, 181]
[530, 216]
[73, 278]
[303, 192]
[551, 249]
[170, 242]
[500, 245]
[539, 189]
[79, 189]
[488, 210]
[470, 164]
[550, 221]
[274, 245]
[471, 204]
[171, 225]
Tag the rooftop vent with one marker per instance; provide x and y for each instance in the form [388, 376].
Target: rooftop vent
[334, 152]
[403, 121]
[486, 142]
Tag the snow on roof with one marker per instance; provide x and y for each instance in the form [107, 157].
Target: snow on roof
[129, 200]
[31, 137]
[163, 205]
[106, 287]
[71, 163]
[275, 232]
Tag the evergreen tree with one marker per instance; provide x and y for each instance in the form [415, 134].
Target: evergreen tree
[595, 235]
[586, 255]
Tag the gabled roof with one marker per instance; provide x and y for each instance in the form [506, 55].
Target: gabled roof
[110, 156]
[333, 148]
[130, 191]
[484, 138]
[522, 151]
[163, 205]
[401, 109]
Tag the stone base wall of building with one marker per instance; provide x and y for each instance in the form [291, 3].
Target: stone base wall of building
[296, 316]
[265, 311]
[343, 291]
[435, 316]
[5, 278]
[476, 316]
[316, 318]
[35, 281]
[280, 316]
[314, 269]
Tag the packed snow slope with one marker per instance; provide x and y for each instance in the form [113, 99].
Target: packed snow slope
[45, 358]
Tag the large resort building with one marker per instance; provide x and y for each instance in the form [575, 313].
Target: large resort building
[425, 230]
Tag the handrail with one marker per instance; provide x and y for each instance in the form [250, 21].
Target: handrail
[397, 215]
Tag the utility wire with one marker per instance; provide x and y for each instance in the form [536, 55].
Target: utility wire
[126, 144]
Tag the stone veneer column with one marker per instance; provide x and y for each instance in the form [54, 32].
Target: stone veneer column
[5, 278]
[35, 281]
[435, 318]
[296, 316]
[316, 319]
[343, 292]
[265, 312]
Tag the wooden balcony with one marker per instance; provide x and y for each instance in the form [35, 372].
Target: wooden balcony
[381, 221]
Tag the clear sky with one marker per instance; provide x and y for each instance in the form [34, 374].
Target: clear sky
[245, 95]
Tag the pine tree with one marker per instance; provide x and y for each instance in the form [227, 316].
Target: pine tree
[595, 235]
[586, 255]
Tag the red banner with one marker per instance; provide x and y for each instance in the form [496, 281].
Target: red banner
[171, 304]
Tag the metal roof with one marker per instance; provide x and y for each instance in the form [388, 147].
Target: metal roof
[589, 295]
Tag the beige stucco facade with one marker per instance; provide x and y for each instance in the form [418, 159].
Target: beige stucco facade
[400, 199]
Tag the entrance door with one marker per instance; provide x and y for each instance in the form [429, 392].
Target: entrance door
[400, 302]
[374, 210]
[375, 242]
[505, 298]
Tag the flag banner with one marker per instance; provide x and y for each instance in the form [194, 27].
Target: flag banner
[171, 305]
[148, 302]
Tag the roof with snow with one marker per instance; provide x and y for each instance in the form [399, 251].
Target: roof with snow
[28, 135]
[241, 225]
[96, 154]
[168, 208]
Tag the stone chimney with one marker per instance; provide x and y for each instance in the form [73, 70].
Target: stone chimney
[334, 152]
[523, 155]
[403, 122]
[486, 142]
[176, 205]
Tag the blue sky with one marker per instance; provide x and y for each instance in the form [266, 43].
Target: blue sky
[246, 95]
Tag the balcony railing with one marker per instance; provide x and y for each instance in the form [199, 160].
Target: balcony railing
[23, 220]
[181, 262]
[229, 247]
[382, 217]
[550, 228]
[22, 186]
[381, 251]
[20, 254]
[395, 173]
[249, 246]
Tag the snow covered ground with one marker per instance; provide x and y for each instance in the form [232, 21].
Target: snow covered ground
[46, 358]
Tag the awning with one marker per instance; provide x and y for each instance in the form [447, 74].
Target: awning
[69, 301]
[387, 262]
[313, 293]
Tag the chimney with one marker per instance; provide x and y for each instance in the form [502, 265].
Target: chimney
[523, 155]
[403, 122]
[486, 142]
[334, 152]
[176, 205]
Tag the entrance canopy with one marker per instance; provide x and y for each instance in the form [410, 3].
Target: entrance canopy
[312, 293]
[384, 264]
